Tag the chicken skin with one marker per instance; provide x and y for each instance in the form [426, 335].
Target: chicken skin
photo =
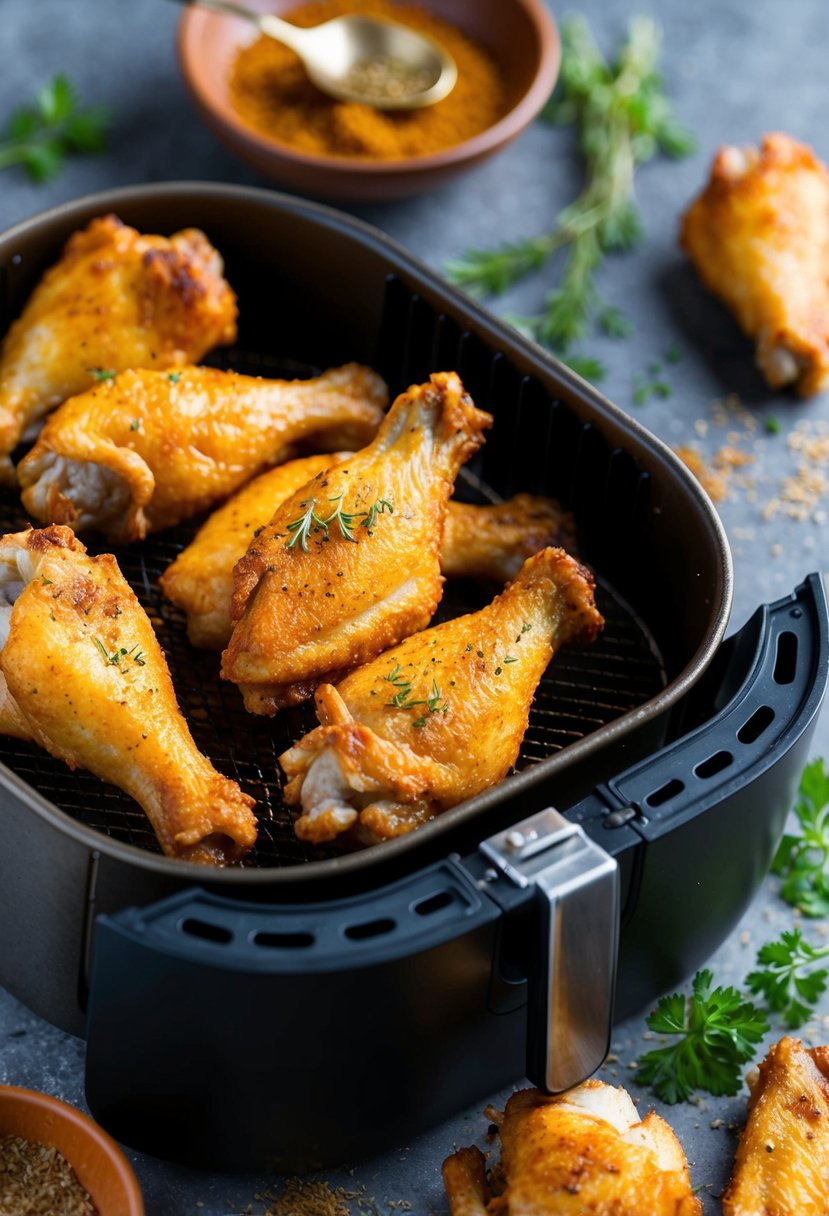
[147, 449]
[478, 542]
[115, 300]
[581, 1153]
[350, 563]
[782, 1164]
[758, 236]
[90, 681]
[439, 717]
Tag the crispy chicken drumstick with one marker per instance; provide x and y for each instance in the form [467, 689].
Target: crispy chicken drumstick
[581, 1153]
[350, 563]
[759, 238]
[148, 449]
[478, 542]
[439, 717]
[782, 1164]
[116, 299]
[89, 680]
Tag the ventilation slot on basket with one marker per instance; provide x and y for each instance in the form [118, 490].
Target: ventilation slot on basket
[785, 665]
[759, 721]
[665, 793]
[283, 941]
[207, 931]
[713, 765]
[435, 903]
[371, 928]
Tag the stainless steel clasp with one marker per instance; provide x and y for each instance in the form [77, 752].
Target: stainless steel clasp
[572, 976]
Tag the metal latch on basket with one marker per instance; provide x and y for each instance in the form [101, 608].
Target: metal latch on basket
[573, 970]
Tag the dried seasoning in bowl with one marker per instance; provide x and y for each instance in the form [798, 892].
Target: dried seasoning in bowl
[36, 1180]
[271, 91]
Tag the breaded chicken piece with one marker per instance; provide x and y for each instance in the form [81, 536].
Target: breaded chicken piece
[759, 238]
[439, 717]
[581, 1153]
[479, 542]
[350, 563]
[89, 683]
[148, 449]
[116, 299]
[782, 1163]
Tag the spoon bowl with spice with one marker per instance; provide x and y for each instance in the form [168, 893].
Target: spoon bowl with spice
[56, 1160]
[370, 60]
[257, 96]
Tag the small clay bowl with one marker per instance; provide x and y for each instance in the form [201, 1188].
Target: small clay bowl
[101, 1168]
[520, 34]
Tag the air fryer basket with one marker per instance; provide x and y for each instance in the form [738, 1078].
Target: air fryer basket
[295, 933]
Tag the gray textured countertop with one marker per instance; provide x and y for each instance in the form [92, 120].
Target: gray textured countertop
[735, 69]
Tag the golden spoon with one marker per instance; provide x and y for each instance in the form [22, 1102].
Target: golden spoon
[363, 59]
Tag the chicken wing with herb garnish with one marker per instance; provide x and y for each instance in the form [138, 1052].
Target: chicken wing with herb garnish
[89, 679]
[147, 449]
[115, 299]
[580, 1153]
[782, 1163]
[479, 542]
[439, 717]
[350, 563]
[758, 236]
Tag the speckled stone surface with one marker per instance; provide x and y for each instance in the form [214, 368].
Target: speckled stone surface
[735, 69]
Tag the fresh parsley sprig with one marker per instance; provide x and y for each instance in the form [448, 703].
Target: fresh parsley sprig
[715, 1031]
[802, 861]
[40, 137]
[787, 979]
[623, 119]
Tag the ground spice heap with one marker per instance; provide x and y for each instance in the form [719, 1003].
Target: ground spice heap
[37, 1181]
[270, 90]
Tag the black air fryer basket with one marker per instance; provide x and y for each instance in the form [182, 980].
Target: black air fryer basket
[311, 1007]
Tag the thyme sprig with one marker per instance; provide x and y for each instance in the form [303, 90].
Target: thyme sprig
[622, 119]
[310, 521]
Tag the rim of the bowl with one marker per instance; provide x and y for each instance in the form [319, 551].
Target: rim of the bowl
[36, 1099]
[512, 123]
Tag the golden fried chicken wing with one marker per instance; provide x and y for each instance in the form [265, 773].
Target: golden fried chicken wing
[350, 563]
[116, 299]
[478, 542]
[581, 1153]
[494, 541]
[782, 1163]
[439, 717]
[147, 449]
[200, 580]
[90, 681]
[759, 238]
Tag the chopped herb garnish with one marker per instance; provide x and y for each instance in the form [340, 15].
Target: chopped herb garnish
[114, 659]
[498, 670]
[510, 659]
[135, 424]
[526, 627]
[346, 521]
[103, 373]
[47, 582]
[174, 377]
[772, 426]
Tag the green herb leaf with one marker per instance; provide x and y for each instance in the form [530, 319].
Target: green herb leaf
[40, 136]
[802, 860]
[787, 979]
[102, 373]
[622, 119]
[772, 426]
[716, 1031]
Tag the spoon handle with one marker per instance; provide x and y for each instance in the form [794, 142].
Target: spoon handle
[283, 31]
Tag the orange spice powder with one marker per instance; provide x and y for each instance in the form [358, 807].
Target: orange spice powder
[270, 90]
